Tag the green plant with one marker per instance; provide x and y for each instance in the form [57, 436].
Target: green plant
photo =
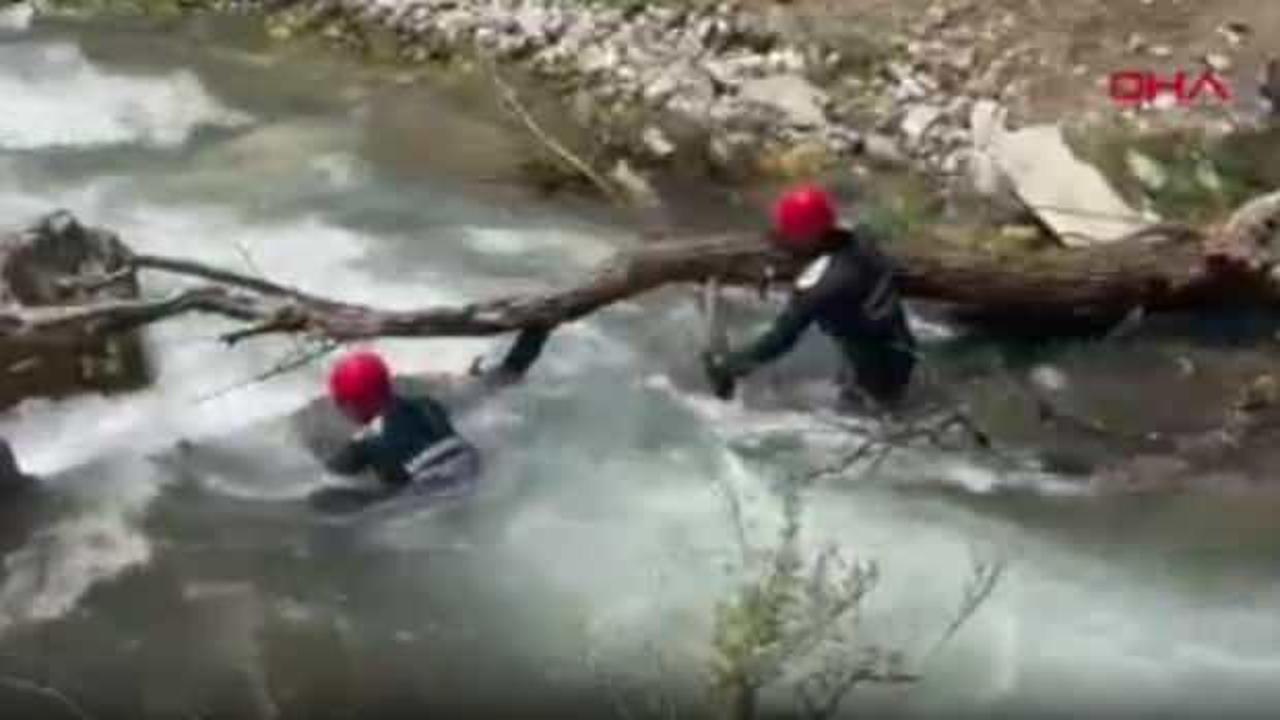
[1203, 177]
[901, 205]
[798, 621]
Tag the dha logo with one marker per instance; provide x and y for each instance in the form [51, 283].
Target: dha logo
[1133, 88]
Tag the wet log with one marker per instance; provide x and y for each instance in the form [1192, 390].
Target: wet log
[57, 262]
[1163, 268]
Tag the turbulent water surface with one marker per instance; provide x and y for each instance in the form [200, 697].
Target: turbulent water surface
[167, 567]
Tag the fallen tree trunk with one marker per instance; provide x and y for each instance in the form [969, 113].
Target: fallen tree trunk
[40, 267]
[1160, 269]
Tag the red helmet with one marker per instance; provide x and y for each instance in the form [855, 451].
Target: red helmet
[802, 217]
[360, 385]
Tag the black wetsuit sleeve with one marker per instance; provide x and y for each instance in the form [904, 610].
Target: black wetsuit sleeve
[354, 457]
[781, 336]
[523, 353]
[801, 311]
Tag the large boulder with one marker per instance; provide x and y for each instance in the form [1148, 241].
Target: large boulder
[1069, 196]
[55, 261]
[799, 102]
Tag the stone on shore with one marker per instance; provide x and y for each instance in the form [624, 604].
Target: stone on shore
[799, 101]
[1071, 197]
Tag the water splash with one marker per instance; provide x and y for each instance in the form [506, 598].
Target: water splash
[101, 538]
[158, 111]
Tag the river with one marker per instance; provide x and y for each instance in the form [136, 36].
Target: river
[153, 581]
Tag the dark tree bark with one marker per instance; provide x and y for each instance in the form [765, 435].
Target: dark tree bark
[1160, 269]
[44, 266]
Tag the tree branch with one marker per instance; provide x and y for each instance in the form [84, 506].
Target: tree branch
[1161, 271]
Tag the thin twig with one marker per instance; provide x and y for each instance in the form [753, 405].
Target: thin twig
[931, 428]
[227, 277]
[511, 100]
[734, 504]
[981, 584]
[246, 255]
[300, 356]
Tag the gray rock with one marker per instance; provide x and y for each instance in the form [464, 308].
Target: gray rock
[986, 122]
[732, 152]
[798, 100]
[844, 139]
[533, 21]
[952, 163]
[509, 45]
[984, 176]
[918, 120]
[637, 188]
[962, 59]
[599, 59]
[1068, 196]
[1218, 62]
[657, 143]
[705, 30]
[730, 112]
[1234, 32]
[732, 70]
[908, 90]
[883, 149]
[687, 90]
[898, 71]
[957, 108]
[787, 60]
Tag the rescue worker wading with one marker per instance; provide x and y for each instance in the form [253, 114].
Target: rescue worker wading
[412, 440]
[848, 289]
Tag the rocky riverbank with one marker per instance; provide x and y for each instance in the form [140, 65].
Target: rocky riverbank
[658, 84]
[740, 91]
[737, 90]
[746, 91]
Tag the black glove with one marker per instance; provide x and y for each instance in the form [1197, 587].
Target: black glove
[719, 374]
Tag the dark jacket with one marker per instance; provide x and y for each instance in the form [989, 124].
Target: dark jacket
[851, 293]
[409, 438]
[415, 441]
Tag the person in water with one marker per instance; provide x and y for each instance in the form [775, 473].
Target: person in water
[848, 289]
[411, 440]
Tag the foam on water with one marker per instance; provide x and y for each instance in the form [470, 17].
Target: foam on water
[16, 18]
[96, 541]
[54, 97]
